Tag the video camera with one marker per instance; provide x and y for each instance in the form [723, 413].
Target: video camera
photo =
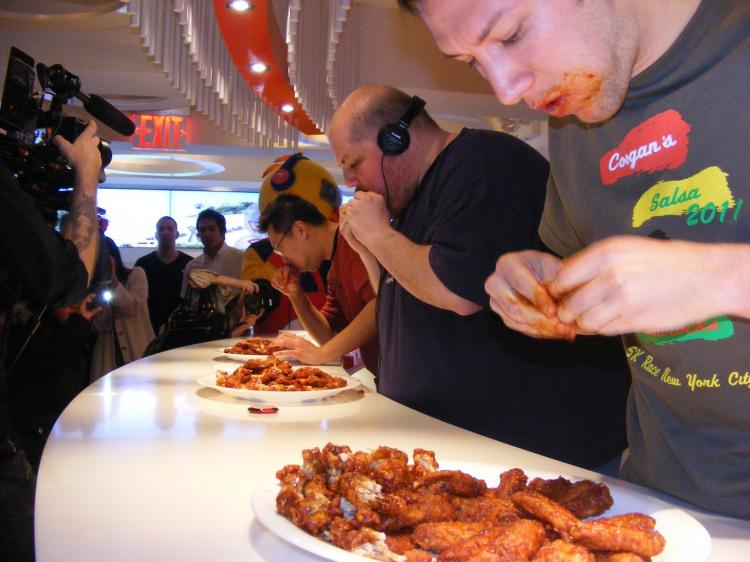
[266, 299]
[29, 119]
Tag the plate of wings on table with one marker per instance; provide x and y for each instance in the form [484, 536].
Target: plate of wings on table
[254, 348]
[350, 506]
[275, 381]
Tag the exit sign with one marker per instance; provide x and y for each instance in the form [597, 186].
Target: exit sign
[165, 132]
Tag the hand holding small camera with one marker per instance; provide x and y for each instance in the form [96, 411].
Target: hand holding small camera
[87, 308]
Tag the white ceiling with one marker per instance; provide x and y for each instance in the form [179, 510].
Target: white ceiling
[93, 41]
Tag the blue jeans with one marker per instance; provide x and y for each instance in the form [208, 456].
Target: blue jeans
[610, 468]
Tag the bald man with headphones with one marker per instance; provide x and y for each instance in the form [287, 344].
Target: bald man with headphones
[432, 213]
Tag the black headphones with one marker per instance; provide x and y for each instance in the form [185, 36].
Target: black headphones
[284, 177]
[394, 139]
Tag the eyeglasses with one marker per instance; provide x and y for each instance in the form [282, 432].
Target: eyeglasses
[277, 249]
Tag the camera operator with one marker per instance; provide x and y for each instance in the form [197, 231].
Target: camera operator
[39, 265]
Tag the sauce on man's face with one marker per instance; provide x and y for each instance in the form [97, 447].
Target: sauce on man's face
[578, 89]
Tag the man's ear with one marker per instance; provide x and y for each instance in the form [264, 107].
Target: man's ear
[302, 229]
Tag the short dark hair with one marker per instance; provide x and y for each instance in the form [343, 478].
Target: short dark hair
[215, 215]
[285, 210]
[167, 218]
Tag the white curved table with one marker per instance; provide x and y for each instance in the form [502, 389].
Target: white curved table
[146, 465]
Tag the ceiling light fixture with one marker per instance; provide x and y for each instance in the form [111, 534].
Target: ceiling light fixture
[258, 67]
[240, 5]
[287, 108]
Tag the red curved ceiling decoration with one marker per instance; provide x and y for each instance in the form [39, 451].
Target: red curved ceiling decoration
[254, 36]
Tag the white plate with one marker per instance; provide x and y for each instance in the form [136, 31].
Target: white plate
[687, 540]
[239, 356]
[243, 358]
[277, 397]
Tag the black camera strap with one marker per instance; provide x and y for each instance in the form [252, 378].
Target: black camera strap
[37, 323]
[7, 327]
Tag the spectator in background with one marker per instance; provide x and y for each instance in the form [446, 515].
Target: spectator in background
[103, 221]
[216, 256]
[123, 327]
[164, 270]
[240, 318]
[291, 175]
[103, 226]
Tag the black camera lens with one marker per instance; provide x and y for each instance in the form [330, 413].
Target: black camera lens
[253, 304]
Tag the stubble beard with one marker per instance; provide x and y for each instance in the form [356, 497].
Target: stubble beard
[613, 93]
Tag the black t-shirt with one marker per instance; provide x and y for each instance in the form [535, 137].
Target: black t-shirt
[164, 283]
[483, 196]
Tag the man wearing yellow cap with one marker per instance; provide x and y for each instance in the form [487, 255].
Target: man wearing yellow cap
[291, 175]
[303, 237]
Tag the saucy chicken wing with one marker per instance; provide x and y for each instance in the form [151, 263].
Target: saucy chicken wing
[583, 499]
[561, 551]
[516, 541]
[437, 537]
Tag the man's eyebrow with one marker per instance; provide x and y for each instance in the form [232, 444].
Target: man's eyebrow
[489, 25]
[484, 32]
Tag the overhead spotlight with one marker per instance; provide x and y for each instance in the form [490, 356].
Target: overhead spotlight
[287, 108]
[240, 5]
[258, 67]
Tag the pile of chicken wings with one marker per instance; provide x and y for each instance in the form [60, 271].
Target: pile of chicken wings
[378, 504]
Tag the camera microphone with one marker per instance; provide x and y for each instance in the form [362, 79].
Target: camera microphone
[107, 113]
[68, 85]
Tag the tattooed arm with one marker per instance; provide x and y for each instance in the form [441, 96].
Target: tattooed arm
[82, 227]
[51, 270]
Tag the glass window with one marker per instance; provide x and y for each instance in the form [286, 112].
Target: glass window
[132, 215]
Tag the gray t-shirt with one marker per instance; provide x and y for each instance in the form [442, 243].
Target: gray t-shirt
[673, 164]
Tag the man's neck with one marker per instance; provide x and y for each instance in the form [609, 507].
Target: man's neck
[436, 141]
[213, 252]
[167, 255]
[660, 24]
[331, 228]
